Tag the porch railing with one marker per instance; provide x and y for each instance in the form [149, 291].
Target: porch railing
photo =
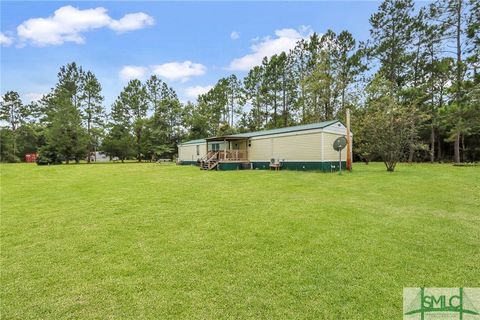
[232, 155]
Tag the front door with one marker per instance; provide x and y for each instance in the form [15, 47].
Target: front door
[239, 145]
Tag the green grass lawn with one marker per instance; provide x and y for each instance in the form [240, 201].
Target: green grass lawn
[151, 241]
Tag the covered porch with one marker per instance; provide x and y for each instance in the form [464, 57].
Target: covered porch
[225, 150]
[228, 148]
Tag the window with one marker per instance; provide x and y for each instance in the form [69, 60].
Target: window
[198, 150]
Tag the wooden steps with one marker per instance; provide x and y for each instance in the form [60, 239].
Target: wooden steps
[209, 165]
[209, 161]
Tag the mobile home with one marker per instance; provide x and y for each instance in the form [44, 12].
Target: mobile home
[304, 147]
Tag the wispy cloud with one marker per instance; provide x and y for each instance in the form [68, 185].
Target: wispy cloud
[173, 71]
[67, 24]
[5, 40]
[195, 91]
[32, 96]
[132, 21]
[182, 71]
[284, 40]
[234, 35]
[133, 72]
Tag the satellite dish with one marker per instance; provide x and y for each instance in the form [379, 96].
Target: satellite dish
[340, 143]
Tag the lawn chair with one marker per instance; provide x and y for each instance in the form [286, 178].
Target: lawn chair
[275, 164]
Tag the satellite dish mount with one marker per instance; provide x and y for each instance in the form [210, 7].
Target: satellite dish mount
[338, 145]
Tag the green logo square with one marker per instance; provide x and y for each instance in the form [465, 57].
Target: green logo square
[441, 303]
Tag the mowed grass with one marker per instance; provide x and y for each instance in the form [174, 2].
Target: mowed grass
[151, 241]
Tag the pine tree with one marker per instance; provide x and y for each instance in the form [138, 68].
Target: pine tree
[348, 65]
[391, 32]
[234, 98]
[300, 64]
[13, 112]
[253, 93]
[130, 110]
[91, 101]
[70, 82]
[65, 135]
[119, 142]
[213, 106]
[164, 127]
[279, 88]
[453, 23]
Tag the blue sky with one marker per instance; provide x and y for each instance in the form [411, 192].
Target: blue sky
[190, 45]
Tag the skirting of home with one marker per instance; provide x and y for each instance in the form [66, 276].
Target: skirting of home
[326, 166]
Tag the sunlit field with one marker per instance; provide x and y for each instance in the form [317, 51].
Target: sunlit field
[156, 241]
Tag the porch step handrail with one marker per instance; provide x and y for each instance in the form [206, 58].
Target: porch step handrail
[206, 156]
[214, 156]
[210, 161]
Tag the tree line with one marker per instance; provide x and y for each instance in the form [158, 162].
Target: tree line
[413, 89]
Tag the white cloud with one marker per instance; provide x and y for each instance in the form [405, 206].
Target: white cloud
[195, 91]
[179, 70]
[132, 72]
[173, 71]
[132, 21]
[33, 96]
[5, 40]
[234, 35]
[68, 23]
[284, 40]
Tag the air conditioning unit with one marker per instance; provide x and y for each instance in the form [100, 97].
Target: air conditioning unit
[274, 161]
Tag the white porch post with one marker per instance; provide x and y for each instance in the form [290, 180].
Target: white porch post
[224, 149]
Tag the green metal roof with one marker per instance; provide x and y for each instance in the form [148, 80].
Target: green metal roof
[303, 127]
[311, 126]
[197, 141]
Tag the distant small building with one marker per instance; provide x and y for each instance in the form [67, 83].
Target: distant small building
[31, 157]
[99, 156]
[303, 147]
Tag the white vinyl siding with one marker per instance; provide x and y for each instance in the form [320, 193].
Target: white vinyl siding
[260, 150]
[331, 133]
[337, 128]
[189, 152]
[293, 147]
[329, 153]
[298, 147]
